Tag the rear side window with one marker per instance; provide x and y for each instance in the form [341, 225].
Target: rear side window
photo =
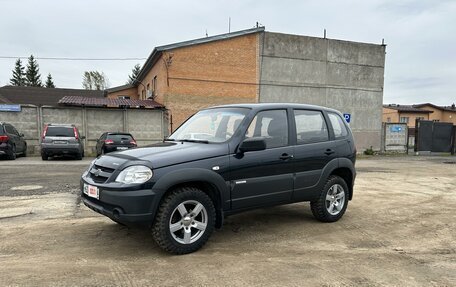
[338, 125]
[60, 132]
[1, 130]
[272, 126]
[9, 129]
[119, 137]
[310, 127]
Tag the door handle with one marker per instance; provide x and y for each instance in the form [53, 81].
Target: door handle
[329, 152]
[286, 156]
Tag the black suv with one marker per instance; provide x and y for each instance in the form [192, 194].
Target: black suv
[225, 160]
[11, 141]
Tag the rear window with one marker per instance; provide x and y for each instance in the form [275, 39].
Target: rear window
[1, 130]
[119, 137]
[59, 132]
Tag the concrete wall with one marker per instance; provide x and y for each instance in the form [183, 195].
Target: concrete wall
[146, 126]
[343, 75]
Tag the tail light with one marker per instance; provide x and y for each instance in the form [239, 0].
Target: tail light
[76, 133]
[44, 131]
[133, 142]
[109, 141]
[4, 139]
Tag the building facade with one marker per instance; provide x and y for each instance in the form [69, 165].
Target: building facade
[252, 66]
[393, 113]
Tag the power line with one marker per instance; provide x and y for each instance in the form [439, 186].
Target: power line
[74, 59]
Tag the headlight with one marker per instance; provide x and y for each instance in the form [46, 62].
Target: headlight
[88, 169]
[135, 174]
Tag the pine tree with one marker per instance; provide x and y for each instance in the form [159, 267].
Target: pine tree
[33, 73]
[134, 74]
[18, 78]
[49, 83]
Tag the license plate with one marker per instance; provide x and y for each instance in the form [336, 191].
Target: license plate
[91, 191]
[60, 142]
[122, 148]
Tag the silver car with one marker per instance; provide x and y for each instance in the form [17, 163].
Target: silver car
[60, 140]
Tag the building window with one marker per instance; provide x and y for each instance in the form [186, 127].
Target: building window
[388, 120]
[154, 86]
[404, 120]
[420, 118]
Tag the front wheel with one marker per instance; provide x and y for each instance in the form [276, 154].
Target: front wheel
[185, 220]
[333, 200]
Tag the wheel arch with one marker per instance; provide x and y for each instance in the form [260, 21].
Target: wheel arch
[208, 182]
[347, 172]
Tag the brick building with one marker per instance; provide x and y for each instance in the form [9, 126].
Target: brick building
[408, 114]
[257, 66]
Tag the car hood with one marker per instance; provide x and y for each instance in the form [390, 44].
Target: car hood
[164, 154]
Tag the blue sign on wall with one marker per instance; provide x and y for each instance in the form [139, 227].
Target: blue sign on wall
[396, 129]
[10, 108]
[347, 117]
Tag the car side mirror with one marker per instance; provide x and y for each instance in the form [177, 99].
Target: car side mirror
[252, 144]
[83, 138]
[21, 135]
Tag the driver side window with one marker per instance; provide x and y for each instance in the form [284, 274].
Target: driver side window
[272, 126]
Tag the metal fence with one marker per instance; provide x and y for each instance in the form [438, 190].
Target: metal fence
[431, 136]
[146, 125]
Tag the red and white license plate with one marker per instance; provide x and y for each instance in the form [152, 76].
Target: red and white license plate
[91, 191]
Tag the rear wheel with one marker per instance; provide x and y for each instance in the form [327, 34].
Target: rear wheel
[11, 155]
[44, 156]
[79, 156]
[185, 220]
[333, 200]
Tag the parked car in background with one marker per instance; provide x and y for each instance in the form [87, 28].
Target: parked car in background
[114, 141]
[12, 142]
[59, 140]
[252, 156]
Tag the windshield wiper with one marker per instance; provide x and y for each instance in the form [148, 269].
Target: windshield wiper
[194, 141]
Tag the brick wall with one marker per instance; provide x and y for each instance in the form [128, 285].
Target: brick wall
[215, 73]
[132, 93]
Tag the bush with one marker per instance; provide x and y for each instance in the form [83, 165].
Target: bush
[369, 151]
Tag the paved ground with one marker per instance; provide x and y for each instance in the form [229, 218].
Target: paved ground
[400, 230]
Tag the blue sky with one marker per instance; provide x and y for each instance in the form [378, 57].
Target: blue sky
[420, 35]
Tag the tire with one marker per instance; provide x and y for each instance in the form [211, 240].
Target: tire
[79, 156]
[333, 200]
[44, 156]
[12, 154]
[191, 231]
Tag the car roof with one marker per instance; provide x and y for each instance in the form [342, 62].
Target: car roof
[265, 106]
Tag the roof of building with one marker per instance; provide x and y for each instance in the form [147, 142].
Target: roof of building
[120, 88]
[42, 96]
[406, 108]
[451, 108]
[108, 102]
[156, 53]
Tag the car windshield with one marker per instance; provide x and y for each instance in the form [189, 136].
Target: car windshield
[211, 126]
[59, 132]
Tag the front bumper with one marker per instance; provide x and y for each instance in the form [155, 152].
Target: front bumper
[124, 206]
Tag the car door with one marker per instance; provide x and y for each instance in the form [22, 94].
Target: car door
[14, 136]
[313, 150]
[264, 177]
[342, 144]
[20, 140]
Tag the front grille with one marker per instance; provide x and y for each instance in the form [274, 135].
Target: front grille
[100, 174]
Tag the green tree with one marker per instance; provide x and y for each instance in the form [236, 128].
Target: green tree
[18, 78]
[94, 80]
[49, 82]
[134, 74]
[32, 73]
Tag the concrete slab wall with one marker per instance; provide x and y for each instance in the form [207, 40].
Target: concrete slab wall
[343, 75]
[147, 126]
